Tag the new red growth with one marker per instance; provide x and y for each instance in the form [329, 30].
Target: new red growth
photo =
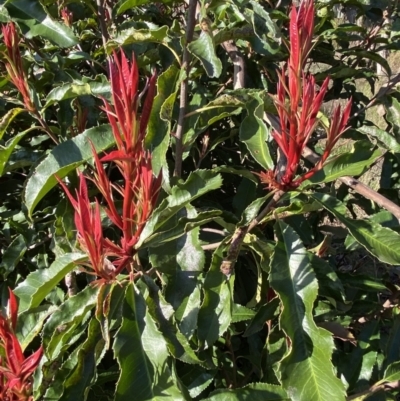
[15, 370]
[13, 63]
[130, 200]
[298, 103]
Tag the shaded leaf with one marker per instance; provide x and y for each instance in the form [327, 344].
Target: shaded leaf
[253, 392]
[7, 119]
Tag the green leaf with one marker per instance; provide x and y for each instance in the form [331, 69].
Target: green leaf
[392, 373]
[240, 313]
[62, 159]
[371, 55]
[265, 313]
[142, 354]
[196, 379]
[307, 371]
[254, 133]
[393, 113]
[83, 374]
[125, 5]
[329, 283]
[133, 35]
[352, 163]
[67, 323]
[180, 226]
[7, 119]
[158, 129]
[198, 183]
[34, 289]
[216, 310]
[203, 49]
[181, 261]
[69, 91]
[6, 151]
[253, 392]
[382, 242]
[392, 346]
[30, 323]
[13, 254]
[385, 139]
[163, 314]
[34, 21]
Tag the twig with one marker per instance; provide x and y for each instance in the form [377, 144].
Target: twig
[360, 188]
[213, 230]
[238, 63]
[228, 263]
[101, 15]
[395, 385]
[191, 19]
[70, 282]
[211, 247]
[383, 91]
[46, 127]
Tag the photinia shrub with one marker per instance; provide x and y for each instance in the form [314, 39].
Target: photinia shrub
[199, 201]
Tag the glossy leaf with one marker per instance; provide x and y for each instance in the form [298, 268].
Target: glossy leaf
[67, 323]
[7, 119]
[216, 310]
[307, 371]
[142, 354]
[34, 21]
[198, 183]
[62, 159]
[163, 315]
[158, 130]
[382, 242]
[7, 150]
[254, 133]
[79, 381]
[352, 163]
[385, 139]
[34, 289]
[203, 49]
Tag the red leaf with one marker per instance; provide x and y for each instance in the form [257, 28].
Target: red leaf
[148, 104]
[31, 363]
[12, 309]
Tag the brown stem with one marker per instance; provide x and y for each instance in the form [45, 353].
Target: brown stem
[228, 263]
[101, 15]
[234, 367]
[395, 385]
[70, 282]
[238, 63]
[45, 127]
[383, 91]
[191, 19]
